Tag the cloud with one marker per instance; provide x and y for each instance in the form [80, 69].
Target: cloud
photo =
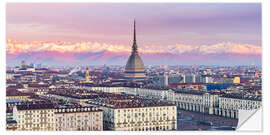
[16, 47]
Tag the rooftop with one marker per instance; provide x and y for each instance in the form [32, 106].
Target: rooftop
[13, 92]
[242, 96]
[126, 101]
[37, 85]
[193, 92]
[35, 106]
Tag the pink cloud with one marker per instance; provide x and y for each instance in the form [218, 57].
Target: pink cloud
[15, 47]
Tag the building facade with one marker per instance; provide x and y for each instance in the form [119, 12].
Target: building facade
[78, 118]
[195, 101]
[34, 117]
[141, 119]
[128, 113]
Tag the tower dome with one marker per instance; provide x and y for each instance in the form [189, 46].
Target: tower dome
[134, 62]
[134, 68]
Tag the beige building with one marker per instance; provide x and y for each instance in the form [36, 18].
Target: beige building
[20, 97]
[128, 115]
[235, 102]
[78, 118]
[17, 95]
[198, 101]
[230, 104]
[34, 117]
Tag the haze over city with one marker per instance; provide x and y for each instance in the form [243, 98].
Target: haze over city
[97, 34]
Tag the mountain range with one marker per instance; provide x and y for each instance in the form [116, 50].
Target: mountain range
[93, 53]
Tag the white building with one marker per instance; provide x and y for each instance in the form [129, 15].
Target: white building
[189, 78]
[236, 103]
[194, 100]
[78, 118]
[163, 80]
[199, 101]
[208, 79]
[34, 117]
[126, 114]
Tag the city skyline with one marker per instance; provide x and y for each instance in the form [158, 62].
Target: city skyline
[132, 66]
[206, 35]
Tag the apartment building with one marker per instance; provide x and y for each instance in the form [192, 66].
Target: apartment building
[33, 117]
[238, 101]
[124, 113]
[78, 118]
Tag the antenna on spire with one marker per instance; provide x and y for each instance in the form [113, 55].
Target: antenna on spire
[134, 31]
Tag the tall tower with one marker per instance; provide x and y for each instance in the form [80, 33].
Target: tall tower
[134, 70]
[87, 77]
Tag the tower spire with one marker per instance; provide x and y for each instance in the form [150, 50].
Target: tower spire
[134, 40]
[134, 47]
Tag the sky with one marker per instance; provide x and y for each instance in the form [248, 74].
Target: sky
[98, 33]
